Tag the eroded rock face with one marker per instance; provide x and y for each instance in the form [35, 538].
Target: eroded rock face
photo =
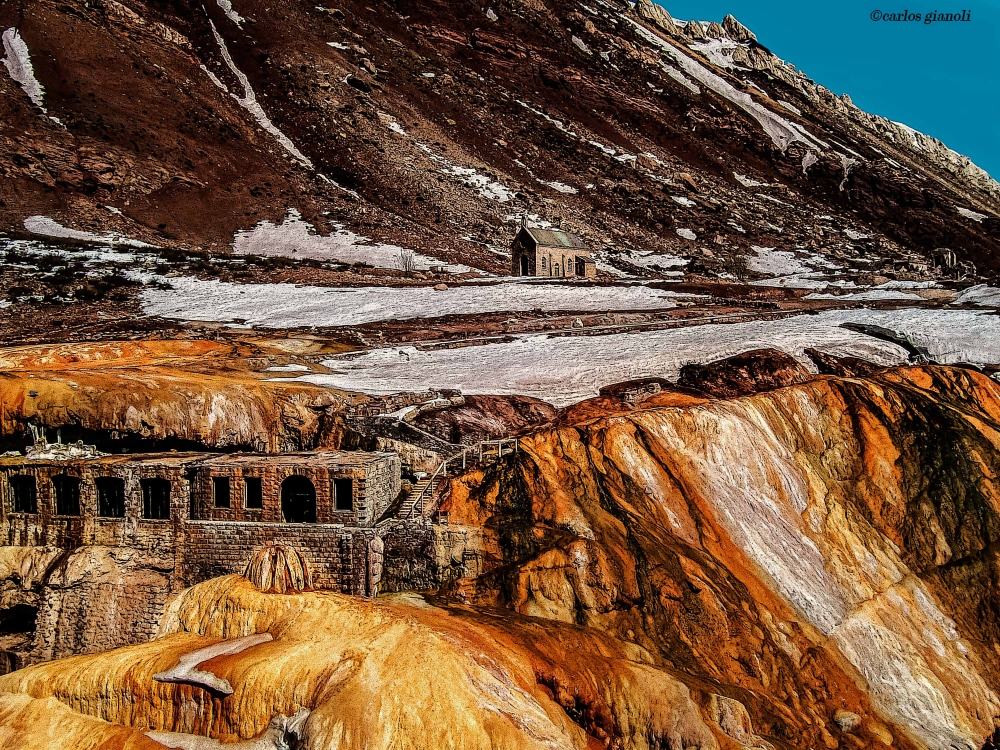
[825, 546]
[158, 394]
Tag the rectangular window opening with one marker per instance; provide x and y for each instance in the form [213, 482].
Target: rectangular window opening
[110, 497]
[220, 491]
[254, 492]
[67, 495]
[155, 498]
[343, 494]
[23, 494]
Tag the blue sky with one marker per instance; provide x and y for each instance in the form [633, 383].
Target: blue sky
[942, 79]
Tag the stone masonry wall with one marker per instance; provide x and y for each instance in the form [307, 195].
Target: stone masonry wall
[215, 548]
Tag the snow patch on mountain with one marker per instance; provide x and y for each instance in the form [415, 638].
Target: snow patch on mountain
[719, 52]
[981, 295]
[18, 64]
[564, 370]
[680, 78]
[296, 238]
[232, 15]
[49, 227]
[249, 102]
[560, 187]
[289, 306]
[970, 214]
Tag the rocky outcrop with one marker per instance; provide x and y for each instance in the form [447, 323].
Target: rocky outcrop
[737, 31]
[155, 395]
[657, 15]
[485, 417]
[743, 374]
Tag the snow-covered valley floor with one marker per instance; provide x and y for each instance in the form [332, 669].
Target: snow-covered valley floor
[563, 370]
[289, 306]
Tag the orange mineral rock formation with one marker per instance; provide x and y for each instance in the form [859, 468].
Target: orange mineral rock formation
[808, 566]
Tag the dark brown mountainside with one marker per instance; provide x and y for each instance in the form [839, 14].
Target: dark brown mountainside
[435, 125]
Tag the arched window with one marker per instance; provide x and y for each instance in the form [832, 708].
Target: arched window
[298, 500]
[543, 262]
[67, 495]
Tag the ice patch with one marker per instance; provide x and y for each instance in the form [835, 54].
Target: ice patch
[18, 64]
[338, 45]
[558, 123]
[682, 79]
[232, 15]
[683, 201]
[748, 182]
[560, 187]
[808, 159]
[581, 45]
[687, 234]
[48, 227]
[249, 102]
[981, 295]
[847, 163]
[855, 235]
[776, 262]
[650, 259]
[872, 295]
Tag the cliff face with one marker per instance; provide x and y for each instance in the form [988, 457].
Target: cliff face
[828, 546]
[808, 567]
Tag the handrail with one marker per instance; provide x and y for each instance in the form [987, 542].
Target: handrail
[442, 468]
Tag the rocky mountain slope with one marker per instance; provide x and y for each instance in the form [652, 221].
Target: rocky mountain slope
[303, 129]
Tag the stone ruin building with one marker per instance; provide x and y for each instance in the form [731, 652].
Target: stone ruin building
[106, 540]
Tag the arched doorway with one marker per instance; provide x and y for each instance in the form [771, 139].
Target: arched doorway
[524, 265]
[298, 500]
